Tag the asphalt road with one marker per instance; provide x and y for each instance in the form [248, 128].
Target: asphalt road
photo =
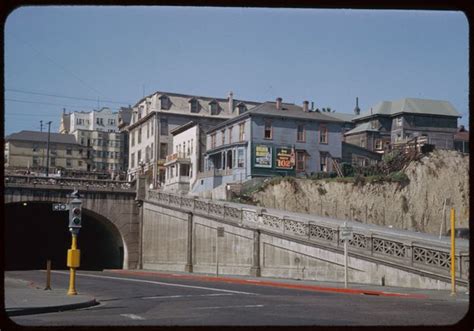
[144, 300]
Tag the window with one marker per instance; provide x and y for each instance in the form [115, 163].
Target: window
[323, 134]
[152, 126]
[68, 151]
[53, 161]
[99, 121]
[163, 150]
[111, 121]
[140, 112]
[79, 163]
[240, 158]
[362, 142]
[35, 147]
[324, 162]
[148, 129]
[242, 108]
[301, 133]
[132, 160]
[164, 126]
[230, 135]
[300, 161]
[223, 137]
[165, 102]
[398, 122]
[139, 157]
[213, 140]
[194, 106]
[68, 163]
[241, 131]
[268, 129]
[35, 161]
[151, 152]
[378, 144]
[213, 107]
[133, 138]
[139, 140]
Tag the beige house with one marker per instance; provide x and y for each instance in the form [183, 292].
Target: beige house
[154, 117]
[27, 150]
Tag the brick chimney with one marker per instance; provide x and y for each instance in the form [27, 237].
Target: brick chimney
[305, 106]
[278, 103]
[231, 102]
[357, 109]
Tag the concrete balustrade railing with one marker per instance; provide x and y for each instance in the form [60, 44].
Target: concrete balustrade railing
[402, 248]
[61, 182]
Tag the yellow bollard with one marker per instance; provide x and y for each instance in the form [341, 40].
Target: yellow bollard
[453, 254]
[73, 261]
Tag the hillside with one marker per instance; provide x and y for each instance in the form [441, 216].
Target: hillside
[415, 205]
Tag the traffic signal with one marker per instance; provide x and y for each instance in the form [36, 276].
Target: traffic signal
[75, 214]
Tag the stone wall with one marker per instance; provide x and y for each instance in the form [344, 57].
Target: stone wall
[417, 206]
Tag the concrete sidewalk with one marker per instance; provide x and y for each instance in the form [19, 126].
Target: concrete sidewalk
[308, 285]
[26, 298]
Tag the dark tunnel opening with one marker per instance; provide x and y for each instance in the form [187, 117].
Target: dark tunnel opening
[35, 233]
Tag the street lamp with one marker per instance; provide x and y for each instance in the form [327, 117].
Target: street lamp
[47, 149]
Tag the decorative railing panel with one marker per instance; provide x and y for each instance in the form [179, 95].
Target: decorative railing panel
[431, 257]
[295, 227]
[322, 232]
[187, 203]
[249, 216]
[272, 221]
[175, 200]
[232, 212]
[388, 247]
[216, 209]
[201, 206]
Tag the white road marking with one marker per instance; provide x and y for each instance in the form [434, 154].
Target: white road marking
[157, 283]
[225, 307]
[133, 317]
[186, 296]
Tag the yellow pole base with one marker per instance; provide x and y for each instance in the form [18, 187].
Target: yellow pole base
[72, 282]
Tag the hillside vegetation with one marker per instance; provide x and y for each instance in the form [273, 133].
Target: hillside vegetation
[412, 198]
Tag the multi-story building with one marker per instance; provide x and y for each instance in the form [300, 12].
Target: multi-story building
[98, 132]
[155, 116]
[392, 122]
[274, 138]
[28, 150]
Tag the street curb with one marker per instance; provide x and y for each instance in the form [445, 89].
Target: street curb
[270, 283]
[49, 309]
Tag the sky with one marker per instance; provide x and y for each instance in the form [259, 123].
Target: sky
[81, 58]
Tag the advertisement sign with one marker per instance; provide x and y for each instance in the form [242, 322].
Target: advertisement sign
[284, 158]
[263, 156]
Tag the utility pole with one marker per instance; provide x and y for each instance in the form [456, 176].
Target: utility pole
[41, 126]
[47, 149]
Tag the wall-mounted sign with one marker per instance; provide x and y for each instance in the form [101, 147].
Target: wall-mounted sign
[263, 156]
[284, 158]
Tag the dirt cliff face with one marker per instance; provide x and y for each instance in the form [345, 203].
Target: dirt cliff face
[416, 206]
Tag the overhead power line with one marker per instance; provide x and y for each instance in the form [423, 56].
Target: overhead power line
[52, 104]
[64, 96]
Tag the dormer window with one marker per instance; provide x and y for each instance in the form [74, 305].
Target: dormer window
[213, 107]
[194, 105]
[241, 107]
[165, 102]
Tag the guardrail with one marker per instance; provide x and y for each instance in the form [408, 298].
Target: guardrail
[431, 256]
[88, 184]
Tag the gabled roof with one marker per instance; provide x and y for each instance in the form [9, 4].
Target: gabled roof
[37, 136]
[367, 126]
[288, 110]
[413, 106]
[183, 127]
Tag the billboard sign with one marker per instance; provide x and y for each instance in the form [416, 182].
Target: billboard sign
[263, 156]
[284, 158]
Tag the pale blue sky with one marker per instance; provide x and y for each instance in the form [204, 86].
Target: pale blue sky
[325, 56]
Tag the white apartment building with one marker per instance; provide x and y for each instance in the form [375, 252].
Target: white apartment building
[98, 131]
[182, 165]
[155, 116]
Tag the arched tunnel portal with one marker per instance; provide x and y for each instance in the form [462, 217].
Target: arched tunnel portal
[35, 233]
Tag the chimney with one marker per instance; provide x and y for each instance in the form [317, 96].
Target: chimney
[278, 103]
[305, 106]
[312, 105]
[231, 102]
[357, 109]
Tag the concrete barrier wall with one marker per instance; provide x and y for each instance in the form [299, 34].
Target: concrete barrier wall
[176, 240]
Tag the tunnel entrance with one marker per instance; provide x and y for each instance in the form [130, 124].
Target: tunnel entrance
[34, 234]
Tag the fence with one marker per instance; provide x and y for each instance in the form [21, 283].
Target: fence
[432, 256]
